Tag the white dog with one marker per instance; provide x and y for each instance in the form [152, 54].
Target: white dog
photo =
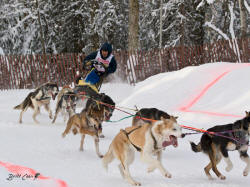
[149, 139]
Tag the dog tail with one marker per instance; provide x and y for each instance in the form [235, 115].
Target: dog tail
[196, 148]
[108, 157]
[18, 107]
[25, 104]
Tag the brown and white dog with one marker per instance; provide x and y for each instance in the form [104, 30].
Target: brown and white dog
[66, 103]
[104, 103]
[149, 139]
[40, 97]
[88, 122]
[229, 137]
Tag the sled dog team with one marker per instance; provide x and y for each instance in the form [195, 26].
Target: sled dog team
[149, 137]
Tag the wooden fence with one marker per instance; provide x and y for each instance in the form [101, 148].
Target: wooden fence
[30, 71]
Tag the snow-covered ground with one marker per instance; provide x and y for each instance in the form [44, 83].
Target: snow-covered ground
[202, 96]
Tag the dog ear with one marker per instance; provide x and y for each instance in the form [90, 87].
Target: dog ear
[173, 118]
[247, 113]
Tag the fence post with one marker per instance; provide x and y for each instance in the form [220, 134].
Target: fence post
[247, 40]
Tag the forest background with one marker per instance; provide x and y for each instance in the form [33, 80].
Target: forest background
[81, 26]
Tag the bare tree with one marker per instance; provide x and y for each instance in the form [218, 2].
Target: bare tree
[133, 37]
[41, 29]
[243, 22]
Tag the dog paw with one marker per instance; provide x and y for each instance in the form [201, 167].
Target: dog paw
[245, 173]
[168, 175]
[63, 135]
[81, 149]
[136, 183]
[50, 116]
[100, 156]
[101, 136]
[74, 131]
[222, 177]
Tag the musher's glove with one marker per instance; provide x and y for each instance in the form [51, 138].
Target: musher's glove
[99, 68]
[87, 66]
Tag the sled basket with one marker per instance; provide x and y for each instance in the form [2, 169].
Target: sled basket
[84, 89]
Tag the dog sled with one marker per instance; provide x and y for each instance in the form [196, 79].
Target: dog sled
[85, 91]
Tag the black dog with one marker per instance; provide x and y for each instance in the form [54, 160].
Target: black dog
[149, 113]
[230, 137]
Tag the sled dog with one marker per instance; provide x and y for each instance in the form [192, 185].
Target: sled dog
[66, 103]
[149, 113]
[229, 137]
[40, 97]
[149, 139]
[87, 122]
[106, 104]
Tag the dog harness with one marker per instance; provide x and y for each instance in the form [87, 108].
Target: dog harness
[240, 136]
[155, 143]
[128, 133]
[44, 95]
[136, 147]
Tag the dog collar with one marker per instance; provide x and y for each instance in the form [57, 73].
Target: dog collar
[153, 137]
